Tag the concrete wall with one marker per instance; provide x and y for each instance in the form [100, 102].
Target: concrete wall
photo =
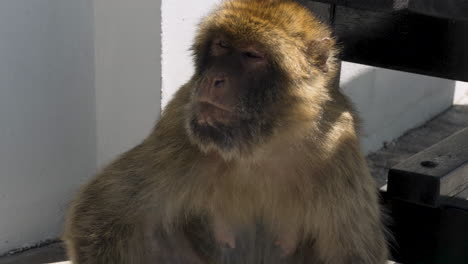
[47, 121]
[128, 73]
[390, 102]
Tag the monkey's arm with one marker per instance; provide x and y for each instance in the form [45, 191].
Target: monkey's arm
[114, 219]
[107, 223]
[96, 231]
[350, 230]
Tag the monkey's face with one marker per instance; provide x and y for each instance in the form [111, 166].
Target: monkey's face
[259, 64]
[234, 95]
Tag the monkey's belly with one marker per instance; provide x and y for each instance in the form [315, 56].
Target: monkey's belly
[250, 244]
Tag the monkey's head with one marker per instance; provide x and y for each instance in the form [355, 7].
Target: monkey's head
[261, 66]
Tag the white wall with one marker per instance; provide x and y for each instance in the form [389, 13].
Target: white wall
[390, 102]
[47, 123]
[179, 22]
[461, 93]
[128, 73]
[71, 99]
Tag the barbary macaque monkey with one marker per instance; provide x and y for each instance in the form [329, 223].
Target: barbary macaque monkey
[255, 160]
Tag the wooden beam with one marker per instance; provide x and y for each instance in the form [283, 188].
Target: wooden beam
[441, 170]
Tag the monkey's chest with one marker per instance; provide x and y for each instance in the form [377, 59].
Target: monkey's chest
[257, 211]
[276, 197]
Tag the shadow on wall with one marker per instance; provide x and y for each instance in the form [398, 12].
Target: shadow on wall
[392, 102]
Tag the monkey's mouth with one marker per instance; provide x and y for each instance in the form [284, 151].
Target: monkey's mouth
[212, 126]
[211, 114]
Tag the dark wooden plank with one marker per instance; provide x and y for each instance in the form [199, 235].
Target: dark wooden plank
[374, 5]
[401, 40]
[441, 170]
[452, 9]
[404, 41]
[321, 10]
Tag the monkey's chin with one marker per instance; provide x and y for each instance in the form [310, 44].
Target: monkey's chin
[216, 133]
[226, 139]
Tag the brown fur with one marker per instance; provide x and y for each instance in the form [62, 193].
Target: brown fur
[306, 184]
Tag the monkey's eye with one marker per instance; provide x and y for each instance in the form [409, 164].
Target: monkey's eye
[253, 55]
[223, 44]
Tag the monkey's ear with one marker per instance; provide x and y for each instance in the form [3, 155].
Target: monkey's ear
[320, 51]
